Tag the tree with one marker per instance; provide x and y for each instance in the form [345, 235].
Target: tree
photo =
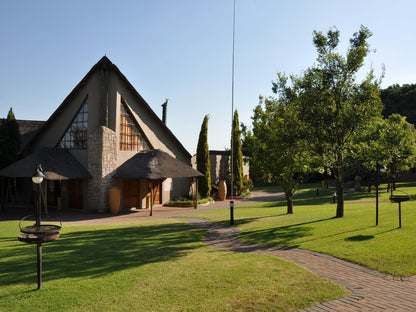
[387, 141]
[277, 145]
[202, 160]
[400, 100]
[9, 140]
[332, 104]
[397, 145]
[365, 153]
[9, 148]
[237, 156]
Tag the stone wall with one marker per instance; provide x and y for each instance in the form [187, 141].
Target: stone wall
[102, 159]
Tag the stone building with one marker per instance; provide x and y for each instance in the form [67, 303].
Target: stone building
[221, 167]
[102, 125]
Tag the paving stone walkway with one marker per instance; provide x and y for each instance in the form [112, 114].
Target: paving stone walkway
[371, 290]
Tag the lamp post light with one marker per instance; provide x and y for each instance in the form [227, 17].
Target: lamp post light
[379, 168]
[37, 178]
[38, 233]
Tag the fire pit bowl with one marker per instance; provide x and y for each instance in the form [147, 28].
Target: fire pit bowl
[42, 233]
[399, 198]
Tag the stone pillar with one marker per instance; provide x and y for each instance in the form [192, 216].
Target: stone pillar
[102, 156]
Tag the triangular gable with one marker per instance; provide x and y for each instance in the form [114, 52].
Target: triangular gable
[105, 63]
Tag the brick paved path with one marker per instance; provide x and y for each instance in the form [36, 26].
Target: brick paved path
[371, 290]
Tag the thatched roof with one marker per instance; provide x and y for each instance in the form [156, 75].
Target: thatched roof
[57, 164]
[154, 164]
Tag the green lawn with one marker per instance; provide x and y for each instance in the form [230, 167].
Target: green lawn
[149, 265]
[355, 237]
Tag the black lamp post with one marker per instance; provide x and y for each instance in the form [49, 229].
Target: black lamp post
[38, 233]
[379, 168]
[37, 178]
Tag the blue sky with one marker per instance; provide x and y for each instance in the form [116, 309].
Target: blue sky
[182, 50]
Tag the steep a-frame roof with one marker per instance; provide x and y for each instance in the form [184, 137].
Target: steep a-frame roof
[103, 63]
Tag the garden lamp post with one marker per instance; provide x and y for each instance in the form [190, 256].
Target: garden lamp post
[37, 178]
[379, 168]
[38, 233]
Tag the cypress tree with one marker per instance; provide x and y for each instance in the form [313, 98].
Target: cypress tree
[10, 140]
[237, 156]
[9, 148]
[203, 163]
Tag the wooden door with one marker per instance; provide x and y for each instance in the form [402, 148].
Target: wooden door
[131, 193]
[53, 192]
[76, 194]
[157, 193]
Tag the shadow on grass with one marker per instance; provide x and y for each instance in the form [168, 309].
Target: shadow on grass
[279, 236]
[95, 253]
[359, 238]
[307, 199]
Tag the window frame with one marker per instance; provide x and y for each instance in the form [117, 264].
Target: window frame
[131, 136]
[68, 141]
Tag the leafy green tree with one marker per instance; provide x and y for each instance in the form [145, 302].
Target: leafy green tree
[277, 145]
[397, 145]
[202, 160]
[400, 100]
[390, 142]
[249, 148]
[237, 156]
[332, 104]
[366, 152]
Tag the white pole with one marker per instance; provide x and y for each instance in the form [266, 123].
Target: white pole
[232, 110]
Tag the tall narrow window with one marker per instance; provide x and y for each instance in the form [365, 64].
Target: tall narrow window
[131, 136]
[76, 135]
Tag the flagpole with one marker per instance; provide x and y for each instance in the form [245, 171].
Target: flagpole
[232, 110]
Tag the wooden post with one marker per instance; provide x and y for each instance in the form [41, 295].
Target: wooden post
[400, 214]
[39, 264]
[192, 191]
[196, 188]
[151, 197]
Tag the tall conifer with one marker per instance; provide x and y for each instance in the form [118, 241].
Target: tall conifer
[202, 160]
[10, 140]
[237, 156]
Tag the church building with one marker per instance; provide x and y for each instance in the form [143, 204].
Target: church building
[105, 136]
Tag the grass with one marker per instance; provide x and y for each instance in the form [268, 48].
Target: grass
[385, 248]
[149, 265]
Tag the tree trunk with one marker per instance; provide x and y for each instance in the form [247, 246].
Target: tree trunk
[340, 186]
[289, 199]
[3, 199]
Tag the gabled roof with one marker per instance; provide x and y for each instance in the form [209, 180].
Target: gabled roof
[104, 63]
[57, 164]
[154, 164]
